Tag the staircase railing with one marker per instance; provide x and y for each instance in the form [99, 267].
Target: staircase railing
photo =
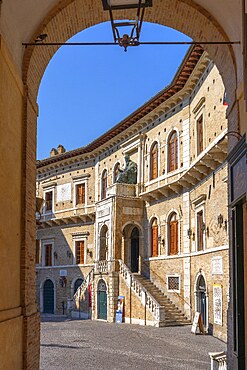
[82, 288]
[163, 281]
[145, 297]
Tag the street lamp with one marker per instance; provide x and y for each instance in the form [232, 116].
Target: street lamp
[135, 26]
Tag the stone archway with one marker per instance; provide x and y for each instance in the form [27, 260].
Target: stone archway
[65, 20]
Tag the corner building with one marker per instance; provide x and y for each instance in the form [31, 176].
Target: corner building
[162, 243]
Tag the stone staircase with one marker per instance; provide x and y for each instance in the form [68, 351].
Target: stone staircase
[163, 310]
[173, 316]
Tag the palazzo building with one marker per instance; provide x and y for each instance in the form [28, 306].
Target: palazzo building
[161, 242]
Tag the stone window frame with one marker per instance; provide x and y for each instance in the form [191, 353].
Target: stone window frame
[151, 220]
[102, 190]
[77, 182]
[198, 208]
[79, 239]
[154, 143]
[179, 282]
[167, 222]
[48, 189]
[199, 111]
[170, 132]
[45, 242]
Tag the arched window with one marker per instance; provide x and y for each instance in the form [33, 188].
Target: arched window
[103, 243]
[154, 238]
[173, 234]
[103, 184]
[154, 161]
[173, 151]
[116, 172]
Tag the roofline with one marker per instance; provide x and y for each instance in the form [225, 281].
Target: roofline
[189, 62]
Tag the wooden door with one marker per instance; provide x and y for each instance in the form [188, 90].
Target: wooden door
[102, 300]
[80, 252]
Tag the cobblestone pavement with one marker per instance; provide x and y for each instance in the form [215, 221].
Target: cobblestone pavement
[85, 345]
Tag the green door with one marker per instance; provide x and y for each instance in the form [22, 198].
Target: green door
[48, 295]
[102, 300]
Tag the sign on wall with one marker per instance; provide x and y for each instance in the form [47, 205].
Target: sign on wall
[217, 265]
[217, 298]
[63, 192]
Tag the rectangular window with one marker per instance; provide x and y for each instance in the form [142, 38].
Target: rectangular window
[173, 283]
[48, 201]
[80, 194]
[79, 252]
[48, 254]
[200, 230]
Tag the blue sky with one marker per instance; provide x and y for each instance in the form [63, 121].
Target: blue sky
[86, 90]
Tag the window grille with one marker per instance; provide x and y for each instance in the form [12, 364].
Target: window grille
[173, 283]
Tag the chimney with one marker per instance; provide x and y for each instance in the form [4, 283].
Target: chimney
[53, 152]
[61, 149]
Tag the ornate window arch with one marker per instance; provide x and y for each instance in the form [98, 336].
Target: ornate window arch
[154, 157]
[173, 234]
[103, 184]
[154, 237]
[172, 151]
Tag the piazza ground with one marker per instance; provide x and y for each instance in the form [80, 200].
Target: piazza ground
[97, 345]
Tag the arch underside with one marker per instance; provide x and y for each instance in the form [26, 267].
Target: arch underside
[73, 16]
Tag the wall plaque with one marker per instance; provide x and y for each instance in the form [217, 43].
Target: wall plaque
[63, 192]
[217, 265]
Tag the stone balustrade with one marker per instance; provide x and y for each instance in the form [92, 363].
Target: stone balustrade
[146, 298]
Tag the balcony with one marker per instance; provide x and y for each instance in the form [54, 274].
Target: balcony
[175, 183]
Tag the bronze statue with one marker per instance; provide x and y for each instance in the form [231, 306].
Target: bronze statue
[129, 174]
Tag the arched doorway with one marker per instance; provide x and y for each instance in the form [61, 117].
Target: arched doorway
[102, 300]
[48, 297]
[202, 299]
[134, 250]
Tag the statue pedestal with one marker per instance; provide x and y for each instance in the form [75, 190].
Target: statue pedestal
[123, 190]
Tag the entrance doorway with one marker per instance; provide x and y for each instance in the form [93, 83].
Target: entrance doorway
[48, 297]
[134, 250]
[202, 299]
[102, 300]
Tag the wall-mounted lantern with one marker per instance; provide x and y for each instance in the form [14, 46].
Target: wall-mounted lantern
[55, 255]
[69, 254]
[189, 233]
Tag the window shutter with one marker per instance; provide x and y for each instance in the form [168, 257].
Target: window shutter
[200, 134]
[80, 194]
[173, 152]
[173, 237]
[200, 231]
[154, 241]
[154, 162]
[80, 252]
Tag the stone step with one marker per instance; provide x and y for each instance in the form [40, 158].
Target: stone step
[173, 316]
